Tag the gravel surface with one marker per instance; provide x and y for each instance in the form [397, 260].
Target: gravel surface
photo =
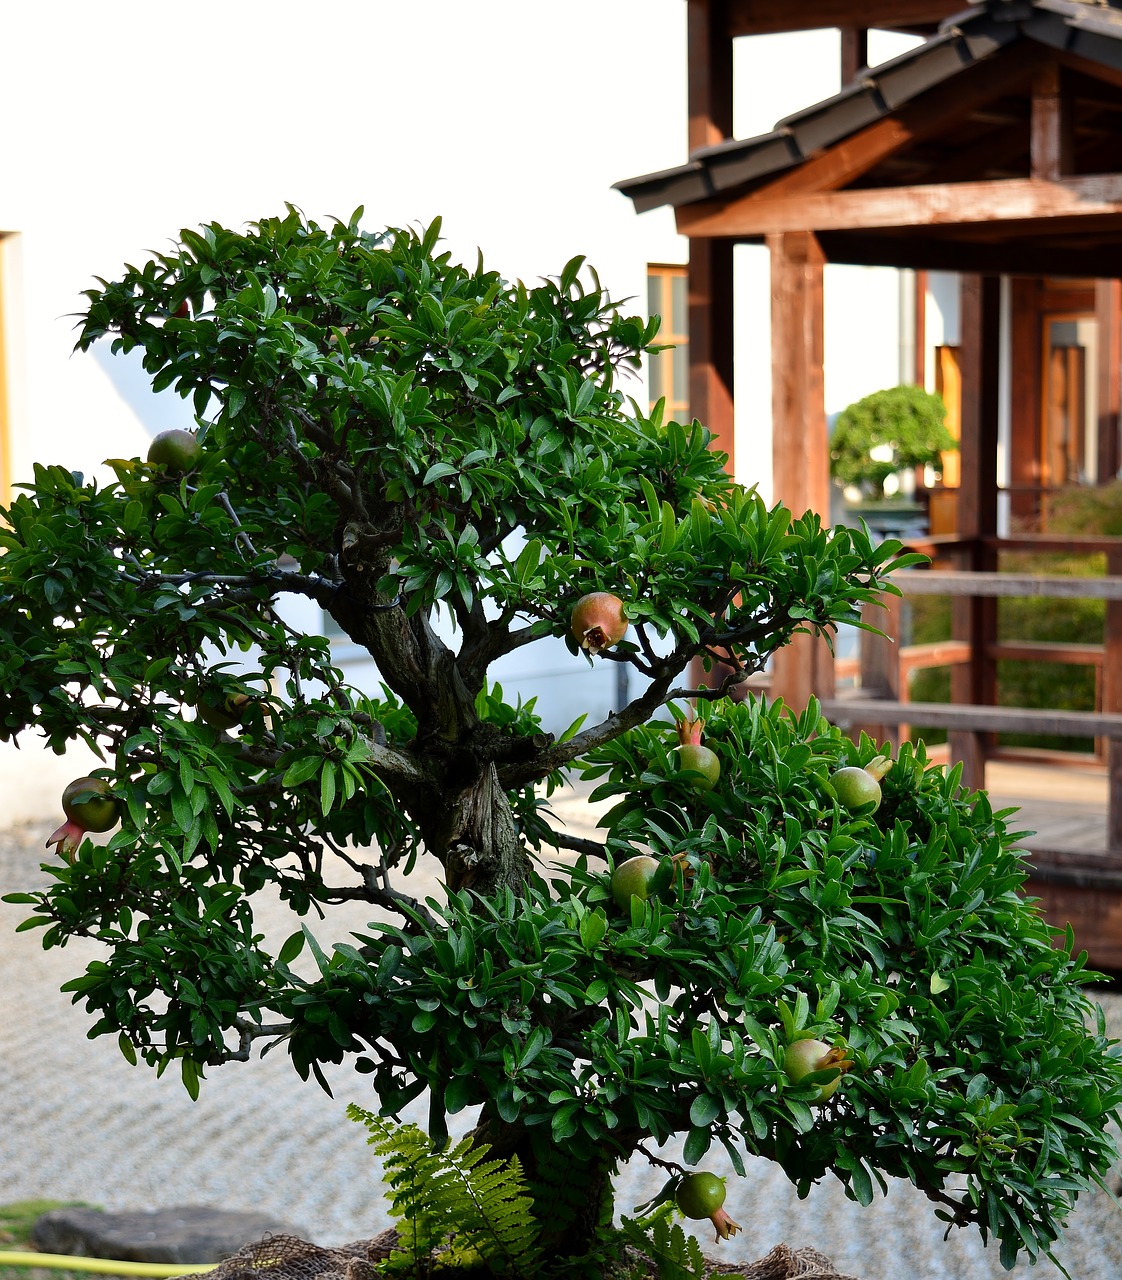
[78, 1123]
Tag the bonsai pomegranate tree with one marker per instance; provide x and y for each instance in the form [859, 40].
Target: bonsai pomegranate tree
[396, 437]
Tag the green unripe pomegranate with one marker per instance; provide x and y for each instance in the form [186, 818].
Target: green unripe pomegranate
[702, 1195]
[856, 789]
[176, 450]
[804, 1057]
[633, 879]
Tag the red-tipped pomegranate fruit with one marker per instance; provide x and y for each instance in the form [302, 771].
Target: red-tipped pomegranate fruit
[88, 807]
[700, 763]
[702, 1195]
[598, 621]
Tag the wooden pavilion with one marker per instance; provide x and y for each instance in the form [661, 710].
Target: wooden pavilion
[993, 149]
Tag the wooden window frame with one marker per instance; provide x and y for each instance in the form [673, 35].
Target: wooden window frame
[669, 370]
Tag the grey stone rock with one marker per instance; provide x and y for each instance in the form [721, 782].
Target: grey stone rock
[186, 1234]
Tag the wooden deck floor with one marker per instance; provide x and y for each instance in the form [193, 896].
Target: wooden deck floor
[1064, 804]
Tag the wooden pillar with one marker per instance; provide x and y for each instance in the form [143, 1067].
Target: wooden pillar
[709, 70]
[710, 272]
[919, 307]
[799, 448]
[1112, 701]
[1051, 133]
[1108, 313]
[710, 291]
[975, 620]
[854, 52]
[1025, 426]
[710, 285]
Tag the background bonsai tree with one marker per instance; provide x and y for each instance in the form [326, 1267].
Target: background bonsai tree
[890, 431]
[389, 434]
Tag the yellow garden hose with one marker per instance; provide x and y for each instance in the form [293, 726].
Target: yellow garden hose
[106, 1266]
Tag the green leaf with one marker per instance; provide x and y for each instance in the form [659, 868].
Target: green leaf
[697, 1143]
[327, 788]
[291, 948]
[301, 770]
[128, 1052]
[704, 1110]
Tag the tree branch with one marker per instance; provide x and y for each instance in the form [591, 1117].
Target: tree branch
[637, 712]
[576, 844]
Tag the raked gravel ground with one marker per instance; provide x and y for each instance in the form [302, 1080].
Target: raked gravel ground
[78, 1123]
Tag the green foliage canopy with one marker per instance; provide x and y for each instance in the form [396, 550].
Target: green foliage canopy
[886, 432]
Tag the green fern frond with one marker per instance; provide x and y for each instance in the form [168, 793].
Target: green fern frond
[454, 1202]
[676, 1256]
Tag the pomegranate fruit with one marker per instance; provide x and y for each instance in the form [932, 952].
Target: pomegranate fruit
[856, 789]
[176, 450]
[702, 1195]
[699, 763]
[222, 713]
[88, 807]
[633, 879]
[598, 621]
[804, 1057]
[87, 800]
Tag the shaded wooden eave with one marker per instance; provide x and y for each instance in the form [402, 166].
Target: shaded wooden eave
[763, 17]
[790, 178]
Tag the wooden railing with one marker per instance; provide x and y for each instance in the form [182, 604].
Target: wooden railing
[881, 705]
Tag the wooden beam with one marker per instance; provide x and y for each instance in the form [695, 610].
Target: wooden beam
[936, 252]
[756, 17]
[709, 68]
[961, 203]
[956, 717]
[970, 582]
[1089, 67]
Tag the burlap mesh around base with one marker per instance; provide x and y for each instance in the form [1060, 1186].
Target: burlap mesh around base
[785, 1263]
[290, 1258]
